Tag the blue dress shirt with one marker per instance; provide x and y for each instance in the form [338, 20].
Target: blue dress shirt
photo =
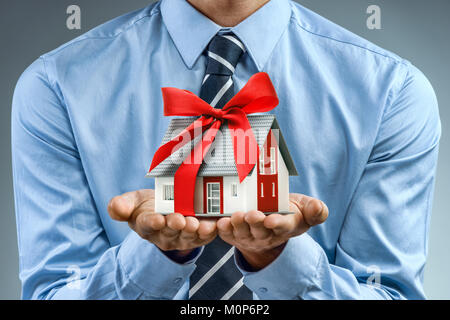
[361, 123]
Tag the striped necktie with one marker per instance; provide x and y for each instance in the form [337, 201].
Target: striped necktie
[216, 276]
[223, 54]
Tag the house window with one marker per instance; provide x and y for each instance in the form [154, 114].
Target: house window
[168, 192]
[273, 163]
[213, 197]
[262, 190]
[261, 161]
[273, 189]
[234, 191]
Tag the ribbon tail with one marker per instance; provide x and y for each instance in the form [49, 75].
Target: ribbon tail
[244, 169]
[179, 141]
[245, 146]
[186, 175]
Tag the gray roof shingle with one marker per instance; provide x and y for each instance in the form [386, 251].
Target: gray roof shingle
[222, 162]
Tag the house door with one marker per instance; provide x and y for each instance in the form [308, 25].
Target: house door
[268, 194]
[213, 195]
[268, 177]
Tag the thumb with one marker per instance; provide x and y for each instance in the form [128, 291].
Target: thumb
[121, 207]
[314, 211]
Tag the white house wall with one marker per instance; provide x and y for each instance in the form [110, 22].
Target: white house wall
[252, 190]
[246, 200]
[283, 184]
[232, 204]
[167, 206]
[246, 194]
[161, 205]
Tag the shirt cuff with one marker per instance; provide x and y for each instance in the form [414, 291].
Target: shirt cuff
[190, 258]
[289, 275]
[149, 269]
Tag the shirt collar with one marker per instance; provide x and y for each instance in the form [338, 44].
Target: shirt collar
[191, 31]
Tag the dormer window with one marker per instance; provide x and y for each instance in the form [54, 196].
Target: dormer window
[273, 162]
[261, 161]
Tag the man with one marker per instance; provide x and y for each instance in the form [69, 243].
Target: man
[361, 123]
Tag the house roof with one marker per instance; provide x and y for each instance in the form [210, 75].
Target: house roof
[222, 162]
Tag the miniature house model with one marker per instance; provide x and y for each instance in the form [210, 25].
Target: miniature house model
[218, 190]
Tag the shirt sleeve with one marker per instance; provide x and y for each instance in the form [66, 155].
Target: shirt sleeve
[63, 248]
[382, 247]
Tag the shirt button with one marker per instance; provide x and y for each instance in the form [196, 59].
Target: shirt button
[177, 280]
[263, 290]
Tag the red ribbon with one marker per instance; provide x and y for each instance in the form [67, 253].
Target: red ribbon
[258, 95]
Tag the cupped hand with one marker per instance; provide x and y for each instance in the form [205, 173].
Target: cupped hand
[170, 232]
[261, 238]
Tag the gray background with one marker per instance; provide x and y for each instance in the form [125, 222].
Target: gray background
[416, 30]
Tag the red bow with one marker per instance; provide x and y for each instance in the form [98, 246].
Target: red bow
[258, 95]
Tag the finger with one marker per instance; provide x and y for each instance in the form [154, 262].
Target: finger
[297, 201]
[189, 233]
[288, 225]
[224, 227]
[207, 228]
[149, 223]
[255, 220]
[175, 222]
[241, 229]
[122, 207]
[315, 212]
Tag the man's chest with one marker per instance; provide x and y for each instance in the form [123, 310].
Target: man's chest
[118, 129]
